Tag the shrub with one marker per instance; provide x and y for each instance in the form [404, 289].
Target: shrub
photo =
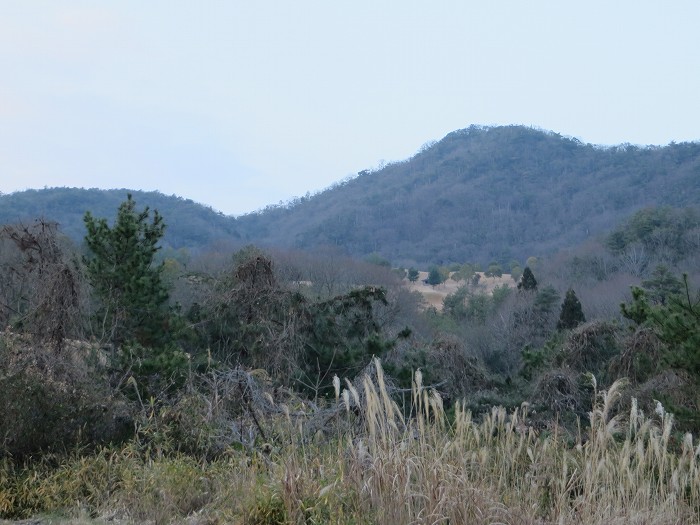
[50, 401]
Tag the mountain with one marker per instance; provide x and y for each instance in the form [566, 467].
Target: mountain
[482, 194]
[189, 225]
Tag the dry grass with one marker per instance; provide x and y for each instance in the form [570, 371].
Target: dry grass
[393, 469]
[435, 295]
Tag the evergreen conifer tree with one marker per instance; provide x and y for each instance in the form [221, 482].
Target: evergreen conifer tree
[434, 277]
[571, 312]
[676, 322]
[661, 285]
[527, 281]
[123, 273]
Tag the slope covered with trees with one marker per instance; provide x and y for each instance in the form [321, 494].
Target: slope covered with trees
[190, 225]
[248, 388]
[482, 194]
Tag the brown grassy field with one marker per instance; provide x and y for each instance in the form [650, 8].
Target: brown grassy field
[434, 295]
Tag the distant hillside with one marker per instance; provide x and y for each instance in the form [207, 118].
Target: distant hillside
[485, 193]
[480, 194]
[189, 225]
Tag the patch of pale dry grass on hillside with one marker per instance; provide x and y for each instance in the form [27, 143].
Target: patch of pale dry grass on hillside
[435, 295]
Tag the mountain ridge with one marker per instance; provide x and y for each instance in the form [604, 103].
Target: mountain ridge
[188, 224]
[477, 188]
[479, 194]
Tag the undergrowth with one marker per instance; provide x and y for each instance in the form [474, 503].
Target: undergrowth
[387, 468]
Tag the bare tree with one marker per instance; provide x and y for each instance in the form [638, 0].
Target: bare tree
[635, 259]
[42, 284]
[252, 319]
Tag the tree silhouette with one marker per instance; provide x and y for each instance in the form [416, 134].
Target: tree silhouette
[434, 277]
[571, 312]
[494, 270]
[527, 281]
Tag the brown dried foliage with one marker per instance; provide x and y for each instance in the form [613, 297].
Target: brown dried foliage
[42, 285]
[587, 345]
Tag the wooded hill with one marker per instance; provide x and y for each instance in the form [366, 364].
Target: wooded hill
[486, 194]
[480, 194]
[189, 225]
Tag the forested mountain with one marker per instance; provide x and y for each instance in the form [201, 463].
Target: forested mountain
[482, 194]
[189, 224]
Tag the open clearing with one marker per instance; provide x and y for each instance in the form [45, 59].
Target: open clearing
[434, 295]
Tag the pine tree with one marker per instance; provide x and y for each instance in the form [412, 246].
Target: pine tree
[434, 277]
[124, 276]
[676, 322]
[571, 312]
[528, 281]
[661, 285]
[679, 326]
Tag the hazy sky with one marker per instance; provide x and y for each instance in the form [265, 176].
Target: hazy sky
[240, 104]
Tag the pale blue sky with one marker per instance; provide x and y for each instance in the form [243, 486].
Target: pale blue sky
[240, 104]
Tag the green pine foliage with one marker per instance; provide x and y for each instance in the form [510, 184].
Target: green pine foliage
[663, 232]
[545, 300]
[434, 276]
[662, 284]
[571, 312]
[458, 305]
[342, 337]
[639, 309]
[537, 360]
[494, 270]
[255, 321]
[516, 272]
[133, 311]
[464, 273]
[676, 323]
[124, 276]
[527, 281]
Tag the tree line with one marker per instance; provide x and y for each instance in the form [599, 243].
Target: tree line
[133, 331]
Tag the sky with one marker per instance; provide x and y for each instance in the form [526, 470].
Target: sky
[243, 104]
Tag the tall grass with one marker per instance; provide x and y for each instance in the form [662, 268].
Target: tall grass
[391, 468]
[500, 470]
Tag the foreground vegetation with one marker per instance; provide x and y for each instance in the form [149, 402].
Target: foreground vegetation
[140, 388]
[384, 467]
